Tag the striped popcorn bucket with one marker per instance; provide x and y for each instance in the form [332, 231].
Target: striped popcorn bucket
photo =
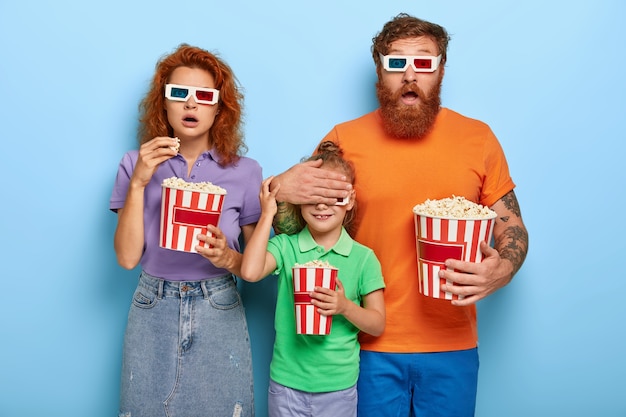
[308, 320]
[439, 239]
[185, 214]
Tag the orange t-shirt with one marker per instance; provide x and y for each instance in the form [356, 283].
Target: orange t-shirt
[461, 157]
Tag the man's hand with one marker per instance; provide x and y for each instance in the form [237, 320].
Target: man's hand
[477, 280]
[307, 183]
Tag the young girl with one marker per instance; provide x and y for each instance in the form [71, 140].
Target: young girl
[316, 375]
[186, 348]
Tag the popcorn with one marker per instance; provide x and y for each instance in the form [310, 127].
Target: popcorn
[181, 184]
[316, 263]
[306, 277]
[176, 147]
[450, 228]
[186, 210]
[454, 208]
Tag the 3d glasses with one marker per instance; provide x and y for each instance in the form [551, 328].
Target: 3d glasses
[343, 201]
[399, 63]
[201, 95]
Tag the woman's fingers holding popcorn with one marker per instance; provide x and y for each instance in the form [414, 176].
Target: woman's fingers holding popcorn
[218, 239]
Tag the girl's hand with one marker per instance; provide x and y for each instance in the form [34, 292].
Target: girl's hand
[330, 302]
[151, 155]
[217, 250]
[369, 318]
[268, 198]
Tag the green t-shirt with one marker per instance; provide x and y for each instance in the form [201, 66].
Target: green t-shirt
[314, 363]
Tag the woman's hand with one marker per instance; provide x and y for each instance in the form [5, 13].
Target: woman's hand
[151, 155]
[216, 249]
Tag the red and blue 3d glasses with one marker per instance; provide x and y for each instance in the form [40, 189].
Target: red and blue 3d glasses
[400, 63]
[201, 95]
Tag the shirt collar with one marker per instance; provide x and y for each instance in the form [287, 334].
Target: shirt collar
[342, 247]
[212, 153]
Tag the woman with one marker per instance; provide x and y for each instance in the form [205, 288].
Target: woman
[186, 347]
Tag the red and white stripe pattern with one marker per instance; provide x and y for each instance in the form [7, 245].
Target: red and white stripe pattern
[308, 320]
[440, 239]
[185, 214]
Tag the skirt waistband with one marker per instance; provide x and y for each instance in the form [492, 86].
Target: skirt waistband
[179, 289]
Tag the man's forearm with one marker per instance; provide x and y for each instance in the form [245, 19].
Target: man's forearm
[512, 242]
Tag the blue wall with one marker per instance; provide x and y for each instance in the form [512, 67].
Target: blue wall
[548, 79]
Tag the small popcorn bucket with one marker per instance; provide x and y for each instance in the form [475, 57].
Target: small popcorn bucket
[308, 320]
[439, 239]
[185, 214]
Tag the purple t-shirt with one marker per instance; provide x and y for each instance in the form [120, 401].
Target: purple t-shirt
[242, 182]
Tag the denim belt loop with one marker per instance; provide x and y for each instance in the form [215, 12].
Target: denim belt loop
[160, 290]
[205, 290]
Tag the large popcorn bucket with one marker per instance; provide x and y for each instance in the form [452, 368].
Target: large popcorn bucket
[441, 238]
[308, 320]
[185, 214]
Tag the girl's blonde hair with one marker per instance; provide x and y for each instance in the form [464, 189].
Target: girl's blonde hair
[332, 155]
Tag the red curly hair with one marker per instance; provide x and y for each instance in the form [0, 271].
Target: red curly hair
[226, 134]
[405, 26]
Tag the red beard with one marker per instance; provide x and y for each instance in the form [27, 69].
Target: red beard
[403, 121]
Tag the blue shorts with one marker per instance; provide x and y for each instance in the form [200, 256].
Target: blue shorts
[440, 384]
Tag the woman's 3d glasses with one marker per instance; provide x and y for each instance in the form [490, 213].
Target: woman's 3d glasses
[399, 63]
[201, 95]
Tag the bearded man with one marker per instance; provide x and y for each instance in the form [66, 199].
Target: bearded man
[409, 150]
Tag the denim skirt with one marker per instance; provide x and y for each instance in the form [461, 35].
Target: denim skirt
[186, 351]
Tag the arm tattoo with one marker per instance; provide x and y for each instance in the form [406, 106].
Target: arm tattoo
[510, 202]
[513, 243]
[287, 219]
